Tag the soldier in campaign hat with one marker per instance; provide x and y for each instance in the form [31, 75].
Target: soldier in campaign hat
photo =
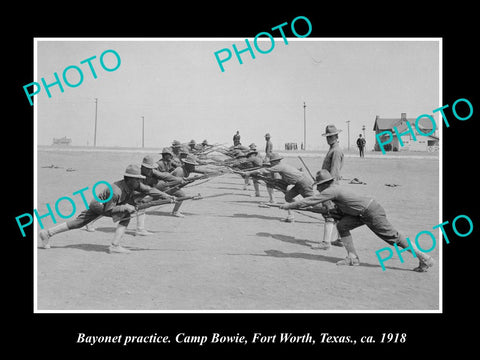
[302, 184]
[179, 150]
[167, 163]
[333, 162]
[121, 201]
[357, 210]
[253, 161]
[159, 180]
[183, 171]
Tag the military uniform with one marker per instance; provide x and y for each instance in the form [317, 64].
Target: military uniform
[333, 161]
[268, 146]
[121, 202]
[168, 162]
[302, 185]
[358, 210]
[182, 172]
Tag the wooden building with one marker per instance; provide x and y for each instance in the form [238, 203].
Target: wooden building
[422, 142]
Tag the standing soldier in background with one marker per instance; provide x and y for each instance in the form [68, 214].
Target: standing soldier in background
[268, 153]
[268, 146]
[361, 145]
[333, 162]
[236, 139]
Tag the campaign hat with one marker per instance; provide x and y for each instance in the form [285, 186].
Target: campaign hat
[322, 176]
[275, 156]
[133, 171]
[331, 130]
[148, 162]
[167, 150]
[190, 159]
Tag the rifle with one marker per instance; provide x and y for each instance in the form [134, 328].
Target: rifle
[240, 172]
[158, 202]
[306, 167]
[171, 189]
[334, 213]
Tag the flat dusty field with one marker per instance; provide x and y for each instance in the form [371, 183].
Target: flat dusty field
[230, 254]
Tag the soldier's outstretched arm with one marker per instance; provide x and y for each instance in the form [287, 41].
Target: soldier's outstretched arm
[154, 192]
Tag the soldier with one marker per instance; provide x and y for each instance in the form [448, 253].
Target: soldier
[361, 145]
[268, 146]
[121, 202]
[183, 171]
[253, 161]
[179, 150]
[205, 145]
[236, 139]
[149, 169]
[302, 185]
[357, 211]
[167, 163]
[161, 181]
[192, 146]
[333, 162]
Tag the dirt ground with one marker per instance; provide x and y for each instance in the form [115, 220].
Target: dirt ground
[230, 254]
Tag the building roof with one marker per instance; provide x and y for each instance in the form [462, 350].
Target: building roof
[382, 124]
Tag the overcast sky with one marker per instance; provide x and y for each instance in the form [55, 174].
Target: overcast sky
[180, 90]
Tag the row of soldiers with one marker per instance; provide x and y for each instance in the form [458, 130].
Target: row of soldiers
[142, 184]
[342, 209]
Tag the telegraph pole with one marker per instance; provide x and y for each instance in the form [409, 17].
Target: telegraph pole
[95, 132]
[348, 130]
[304, 126]
[143, 131]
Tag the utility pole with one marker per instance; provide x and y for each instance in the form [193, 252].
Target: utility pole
[304, 126]
[143, 131]
[95, 132]
[348, 131]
